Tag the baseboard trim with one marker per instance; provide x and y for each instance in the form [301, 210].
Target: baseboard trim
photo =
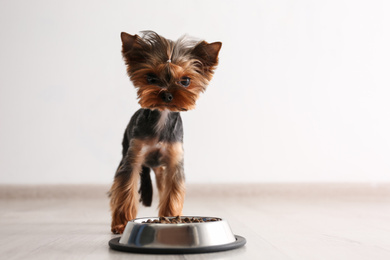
[264, 190]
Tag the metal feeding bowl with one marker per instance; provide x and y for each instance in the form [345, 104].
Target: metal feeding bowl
[177, 235]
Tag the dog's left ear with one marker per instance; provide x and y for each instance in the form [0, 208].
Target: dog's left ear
[207, 53]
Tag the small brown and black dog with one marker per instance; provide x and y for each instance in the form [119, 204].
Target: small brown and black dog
[169, 76]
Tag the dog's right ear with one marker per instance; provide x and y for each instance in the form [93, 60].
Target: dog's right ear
[128, 41]
[133, 50]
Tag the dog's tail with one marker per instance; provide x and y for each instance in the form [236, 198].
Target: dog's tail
[146, 188]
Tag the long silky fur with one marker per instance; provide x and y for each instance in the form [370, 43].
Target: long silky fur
[154, 136]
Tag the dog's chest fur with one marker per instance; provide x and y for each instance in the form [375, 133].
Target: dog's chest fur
[158, 131]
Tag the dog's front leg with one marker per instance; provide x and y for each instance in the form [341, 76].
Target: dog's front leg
[124, 191]
[173, 193]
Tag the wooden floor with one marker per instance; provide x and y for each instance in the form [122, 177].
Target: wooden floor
[278, 221]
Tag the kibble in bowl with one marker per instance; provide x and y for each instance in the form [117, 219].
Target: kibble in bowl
[180, 220]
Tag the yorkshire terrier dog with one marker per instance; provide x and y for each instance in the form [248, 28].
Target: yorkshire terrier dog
[169, 76]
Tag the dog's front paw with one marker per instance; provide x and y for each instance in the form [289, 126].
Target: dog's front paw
[118, 229]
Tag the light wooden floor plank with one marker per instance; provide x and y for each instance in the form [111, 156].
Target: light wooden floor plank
[276, 226]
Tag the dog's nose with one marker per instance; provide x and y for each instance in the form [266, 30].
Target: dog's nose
[167, 97]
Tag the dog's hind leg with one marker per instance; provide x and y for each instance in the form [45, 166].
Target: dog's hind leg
[159, 172]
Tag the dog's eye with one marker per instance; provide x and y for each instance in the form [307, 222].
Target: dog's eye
[152, 79]
[185, 81]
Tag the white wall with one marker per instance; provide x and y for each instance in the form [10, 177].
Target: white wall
[301, 94]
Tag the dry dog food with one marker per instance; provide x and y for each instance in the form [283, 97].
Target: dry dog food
[178, 220]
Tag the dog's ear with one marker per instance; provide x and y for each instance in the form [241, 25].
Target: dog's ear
[128, 41]
[133, 49]
[207, 53]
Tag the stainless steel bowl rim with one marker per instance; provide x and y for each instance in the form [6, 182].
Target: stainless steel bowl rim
[181, 235]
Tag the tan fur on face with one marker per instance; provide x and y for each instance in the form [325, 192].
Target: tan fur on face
[187, 58]
[184, 97]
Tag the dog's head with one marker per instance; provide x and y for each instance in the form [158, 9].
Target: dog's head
[169, 74]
